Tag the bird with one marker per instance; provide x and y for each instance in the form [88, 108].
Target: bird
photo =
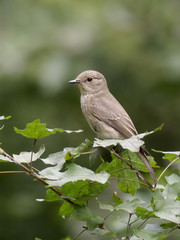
[105, 115]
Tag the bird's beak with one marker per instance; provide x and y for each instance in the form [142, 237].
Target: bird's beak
[74, 81]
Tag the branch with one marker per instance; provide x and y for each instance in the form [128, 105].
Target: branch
[30, 172]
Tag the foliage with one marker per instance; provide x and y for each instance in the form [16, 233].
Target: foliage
[75, 187]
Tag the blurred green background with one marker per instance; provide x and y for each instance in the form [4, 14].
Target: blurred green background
[46, 43]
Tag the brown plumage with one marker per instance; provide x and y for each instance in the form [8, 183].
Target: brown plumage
[104, 113]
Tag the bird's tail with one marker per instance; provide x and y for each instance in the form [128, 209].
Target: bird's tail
[143, 157]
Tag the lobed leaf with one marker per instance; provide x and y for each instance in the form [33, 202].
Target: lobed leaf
[173, 178]
[167, 201]
[82, 191]
[75, 173]
[51, 196]
[169, 210]
[129, 206]
[133, 143]
[66, 209]
[25, 157]
[150, 232]
[105, 206]
[128, 181]
[84, 214]
[38, 130]
[169, 155]
[143, 213]
[55, 158]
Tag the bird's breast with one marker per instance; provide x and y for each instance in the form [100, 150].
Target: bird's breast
[101, 129]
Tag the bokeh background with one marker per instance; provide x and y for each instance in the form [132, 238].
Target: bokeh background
[46, 43]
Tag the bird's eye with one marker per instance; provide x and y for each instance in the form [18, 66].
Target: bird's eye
[89, 79]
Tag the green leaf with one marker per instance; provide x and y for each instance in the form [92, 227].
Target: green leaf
[173, 178]
[4, 118]
[55, 158]
[111, 167]
[137, 162]
[156, 129]
[66, 209]
[150, 232]
[53, 173]
[25, 157]
[38, 130]
[168, 225]
[133, 144]
[84, 214]
[84, 146]
[143, 213]
[51, 196]
[167, 205]
[98, 155]
[172, 191]
[129, 206]
[116, 199]
[82, 191]
[75, 173]
[169, 155]
[104, 233]
[105, 206]
[134, 160]
[169, 210]
[35, 130]
[67, 238]
[128, 181]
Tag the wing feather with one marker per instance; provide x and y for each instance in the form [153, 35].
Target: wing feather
[108, 110]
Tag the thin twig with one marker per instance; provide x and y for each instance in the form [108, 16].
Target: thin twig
[13, 172]
[135, 170]
[80, 233]
[109, 214]
[131, 180]
[118, 170]
[167, 168]
[128, 226]
[172, 229]
[145, 221]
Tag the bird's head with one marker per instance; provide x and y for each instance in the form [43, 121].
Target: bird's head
[90, 82]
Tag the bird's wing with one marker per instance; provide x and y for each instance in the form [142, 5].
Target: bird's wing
[108, 109]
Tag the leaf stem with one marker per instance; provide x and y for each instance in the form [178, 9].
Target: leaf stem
[33, 147]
